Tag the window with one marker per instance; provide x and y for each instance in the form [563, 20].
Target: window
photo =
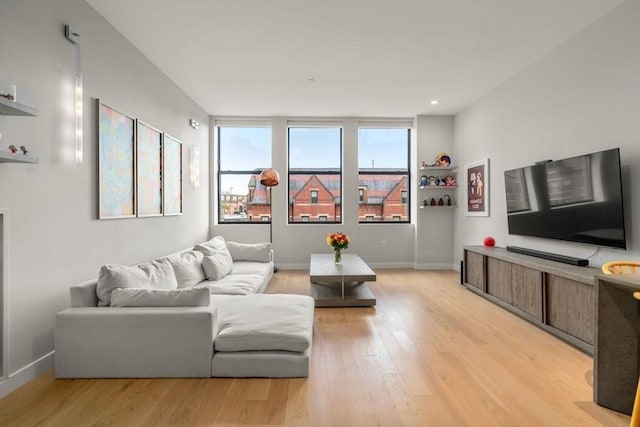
[383, 169]
[315, 173]
[361, 195]
[243, 152]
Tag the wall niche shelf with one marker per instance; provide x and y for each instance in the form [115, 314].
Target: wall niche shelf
[12, 108]
[9, 157]
[437, 207]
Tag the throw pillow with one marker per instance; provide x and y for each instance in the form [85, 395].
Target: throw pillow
[260, 252]
[132, 297]
[214, 245]
[218, 265]
[156, 274]
[187, 267]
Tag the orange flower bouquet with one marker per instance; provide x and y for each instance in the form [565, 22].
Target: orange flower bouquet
[338, 241]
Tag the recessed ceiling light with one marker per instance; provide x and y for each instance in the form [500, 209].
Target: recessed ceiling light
[311, 80]
[434, 102]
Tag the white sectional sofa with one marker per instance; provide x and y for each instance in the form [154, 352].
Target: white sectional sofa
[164, 318]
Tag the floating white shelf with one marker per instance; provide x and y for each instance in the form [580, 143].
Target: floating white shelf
[9, 157]
[12, 108]
[438, 187]
[437, 168]
[437, 207]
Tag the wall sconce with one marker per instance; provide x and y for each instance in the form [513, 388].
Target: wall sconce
[74, 37]
[194, 155]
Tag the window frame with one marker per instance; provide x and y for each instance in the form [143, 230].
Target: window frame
[220, 173]
[390, 171]
[311, 171]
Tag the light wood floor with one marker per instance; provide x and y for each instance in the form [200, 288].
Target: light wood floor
[430, 354]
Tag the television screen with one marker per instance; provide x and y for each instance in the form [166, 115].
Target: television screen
[578, 199]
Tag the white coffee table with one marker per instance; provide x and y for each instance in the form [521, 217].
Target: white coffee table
[341, 285]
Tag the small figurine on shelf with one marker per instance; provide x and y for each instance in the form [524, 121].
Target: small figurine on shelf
[423, 165]
[13, 149]
[24, 149]
[440, 202]
[442, 182]
[450, 181]
[448, 199]
[433, 180]
[425, 202]
[443, 160]
[424, 181]
[433, 201]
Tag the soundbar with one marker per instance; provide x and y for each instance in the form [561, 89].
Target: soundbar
[548, 255]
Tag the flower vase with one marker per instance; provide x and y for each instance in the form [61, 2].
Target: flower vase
[337, 257]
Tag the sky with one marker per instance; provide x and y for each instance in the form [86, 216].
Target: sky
[243, 148]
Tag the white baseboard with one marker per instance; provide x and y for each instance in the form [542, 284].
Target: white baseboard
[437, 266]
[391, 265]
[26, 374]
[383, 265]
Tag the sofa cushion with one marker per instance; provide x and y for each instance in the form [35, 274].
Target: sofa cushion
[134, 297]
[251, 267]
[157, 274]
[187, 267]
[235, 284]
[212, 246]
[217, 265]
[260, 252]
[264, 322]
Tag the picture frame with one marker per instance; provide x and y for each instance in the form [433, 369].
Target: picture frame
[149, 170]
[476, 177]
[172, 175]
[116, 163]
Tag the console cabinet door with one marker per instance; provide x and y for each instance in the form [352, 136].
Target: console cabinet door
[571, 307]
[526, 290]
[474, 266]
[499, 279]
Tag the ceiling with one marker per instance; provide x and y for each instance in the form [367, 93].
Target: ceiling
[367, 58]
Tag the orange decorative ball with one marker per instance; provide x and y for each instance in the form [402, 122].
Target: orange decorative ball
[489, 241]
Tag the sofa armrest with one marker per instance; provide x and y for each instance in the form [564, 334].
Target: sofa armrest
[135, 342]
[84, 294]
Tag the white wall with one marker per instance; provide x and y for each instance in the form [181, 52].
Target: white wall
[55, 239]
[584, 96]
[434, 226]
[294, 242]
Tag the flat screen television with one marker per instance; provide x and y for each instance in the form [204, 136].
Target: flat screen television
[578, 199]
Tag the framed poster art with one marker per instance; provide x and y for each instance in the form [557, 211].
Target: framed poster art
[149, 170]
[476, 176]
[172, 175]
[116, 163]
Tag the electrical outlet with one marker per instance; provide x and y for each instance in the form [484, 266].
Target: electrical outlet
[383, 243]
